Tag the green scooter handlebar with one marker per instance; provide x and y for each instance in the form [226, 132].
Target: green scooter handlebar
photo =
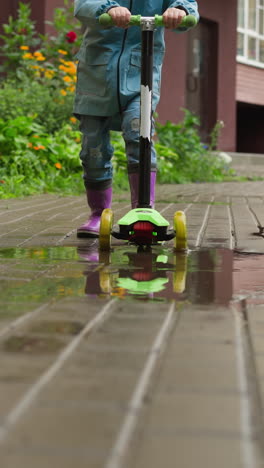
[188, 21]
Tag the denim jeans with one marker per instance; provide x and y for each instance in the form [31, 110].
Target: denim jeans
[97, 151]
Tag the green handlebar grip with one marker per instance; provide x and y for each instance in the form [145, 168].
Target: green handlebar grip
[106, 20]
[188, 21]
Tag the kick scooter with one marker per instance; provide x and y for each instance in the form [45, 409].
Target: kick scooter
[143, 225]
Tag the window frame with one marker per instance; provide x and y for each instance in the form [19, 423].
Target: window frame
[248, 33]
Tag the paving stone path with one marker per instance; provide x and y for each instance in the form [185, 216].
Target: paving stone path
[92, 378]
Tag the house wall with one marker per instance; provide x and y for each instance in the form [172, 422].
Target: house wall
[41, 11]
[250, 109]
[224, 13]
[7, 9]
[250, 84]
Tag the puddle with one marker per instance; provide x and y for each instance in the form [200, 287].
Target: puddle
[157, 274]
[161, 274]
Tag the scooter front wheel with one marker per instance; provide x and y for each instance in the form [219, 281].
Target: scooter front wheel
[105, 229]
[180, 240]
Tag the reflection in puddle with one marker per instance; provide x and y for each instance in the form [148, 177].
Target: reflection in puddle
[158, 274]
[161, 274]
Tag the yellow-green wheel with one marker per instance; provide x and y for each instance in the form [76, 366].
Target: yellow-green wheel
[105, 229]
[105, 281]
[180, 273]
[180, 240]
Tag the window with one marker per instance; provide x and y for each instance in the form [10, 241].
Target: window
[250, 34]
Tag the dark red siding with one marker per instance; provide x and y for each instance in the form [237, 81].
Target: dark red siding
[41, 11]
[250, 84]
[224, 13]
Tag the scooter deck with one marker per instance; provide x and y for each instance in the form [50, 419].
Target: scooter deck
[143, 226]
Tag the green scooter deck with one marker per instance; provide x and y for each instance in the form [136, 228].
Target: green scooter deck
[136, 216]
[143, 214]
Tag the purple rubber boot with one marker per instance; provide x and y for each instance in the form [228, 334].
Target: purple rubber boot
[133, 183]
[97, 200]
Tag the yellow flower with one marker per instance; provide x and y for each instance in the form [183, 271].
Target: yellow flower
[73, 120]
[58, 165]
[63, 68]
[39, 56]
[49, 74]
[68, 67]
[63, 52]
[27, 56]
[24, 47]
[63, 92]
[67, 79]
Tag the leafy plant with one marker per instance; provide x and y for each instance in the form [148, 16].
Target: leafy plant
[32, 161]
[19, 35]
[21, 39]
[184, 158]
[67, 30]
[32, 99]
[181, 155]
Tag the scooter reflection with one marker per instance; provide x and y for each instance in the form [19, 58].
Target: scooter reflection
[142, 272]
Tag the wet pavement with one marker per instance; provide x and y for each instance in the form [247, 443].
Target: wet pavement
[137, 357]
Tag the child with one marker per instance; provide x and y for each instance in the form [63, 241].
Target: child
[108, 92]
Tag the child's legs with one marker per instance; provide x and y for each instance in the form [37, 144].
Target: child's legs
[96, 152]
[131, 132]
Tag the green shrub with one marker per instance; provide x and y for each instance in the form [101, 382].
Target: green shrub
[19, 32]
[31, 98]
[32, 161]
[181, 155]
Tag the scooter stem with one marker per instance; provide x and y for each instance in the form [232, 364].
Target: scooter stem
[145, 143]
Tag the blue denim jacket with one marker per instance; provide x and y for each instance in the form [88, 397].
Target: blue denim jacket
[109, 59]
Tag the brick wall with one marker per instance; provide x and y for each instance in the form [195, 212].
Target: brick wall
[250, 84]
[223, 13]
[42, 10]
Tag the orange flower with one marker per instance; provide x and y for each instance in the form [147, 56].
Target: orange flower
[62, 52]
[73, 120]
[24, 47]
[63, 92]
[29, 145]
[58, 165]
[39, 147]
